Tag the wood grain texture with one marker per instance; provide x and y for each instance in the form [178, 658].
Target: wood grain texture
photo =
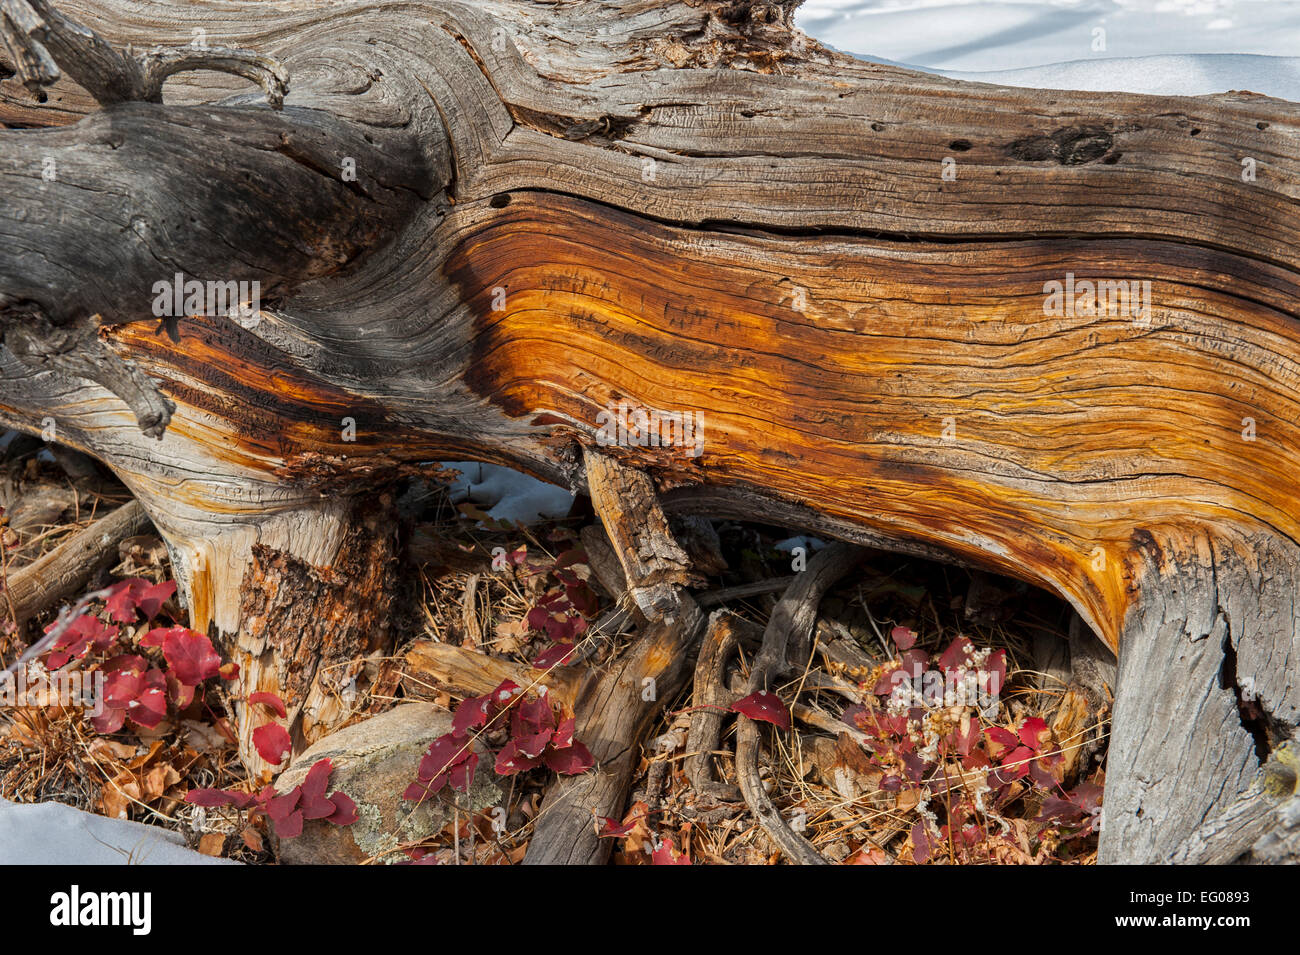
[690, 207]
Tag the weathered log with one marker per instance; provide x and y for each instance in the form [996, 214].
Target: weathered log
[830, 278]
[710, 696]
[787, 634]
[466, 672]
[64, 571]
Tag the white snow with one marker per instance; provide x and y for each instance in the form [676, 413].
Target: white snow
[49, 833]
[809, 544]
[1188, 47]
[506, 494]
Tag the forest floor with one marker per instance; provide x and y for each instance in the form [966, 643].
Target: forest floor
[970, 761]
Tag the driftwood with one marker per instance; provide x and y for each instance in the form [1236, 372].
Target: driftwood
[65, 571]
[481, 229]
[471, 673]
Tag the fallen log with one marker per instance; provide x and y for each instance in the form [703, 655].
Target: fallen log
[787, 285]
[66, 570]
[788, 633]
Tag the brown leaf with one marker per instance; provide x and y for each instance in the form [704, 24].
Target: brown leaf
[107, 750]
[158, 780]
[211, 843]
[147, 757]
[113, 802]
[253, 839]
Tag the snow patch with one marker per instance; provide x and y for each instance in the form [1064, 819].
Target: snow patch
[49, 833]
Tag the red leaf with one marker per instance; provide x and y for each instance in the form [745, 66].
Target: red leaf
[151, 706]
[218, 797]
[271, 700]
[290, 827]
[563, 736]
[320, 808]
[583, 599]
[416, 792]
[570, 761]
[443, 753]
[553, 656]
[995, 669]
[957, 655]
[121, 600]
[612, 828]
[764, 706]
[504, 693]
[667, 855]
[1032, 733]
[903, 638]
[462, 776]
[279, 807]
[470, 714]
[533, 745]
[317, 782]
[122, 687]
[150, 598]
[181, 694]
[345, 810]
[190, 656]
[109, 721]
[229, 671]
[511, 761]
[532, 717]
[272, 742]
[922, 841]
[1000, 740]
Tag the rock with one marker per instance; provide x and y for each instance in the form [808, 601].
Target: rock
[374, 761]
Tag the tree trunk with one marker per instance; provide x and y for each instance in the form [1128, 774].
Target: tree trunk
[478, 229]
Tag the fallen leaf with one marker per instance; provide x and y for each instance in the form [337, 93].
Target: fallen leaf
[764, 706]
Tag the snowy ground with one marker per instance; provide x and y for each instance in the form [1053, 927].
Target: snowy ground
[50, 834]
[1140, 46]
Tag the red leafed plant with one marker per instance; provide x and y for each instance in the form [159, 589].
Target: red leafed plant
[960, 772]
[287, 811]
[562, 602]
[535, 738]
[138, 686]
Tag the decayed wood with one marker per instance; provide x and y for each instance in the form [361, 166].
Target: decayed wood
[692, 208]
[1265, 820]
[789, 628]
[710, 696]
[307, 628]
[65, 571]
[1076, 723]
[615, 708]
[654, 563]
[616, 704]
[472, 673]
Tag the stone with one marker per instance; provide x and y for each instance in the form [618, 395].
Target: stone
[374, 761]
